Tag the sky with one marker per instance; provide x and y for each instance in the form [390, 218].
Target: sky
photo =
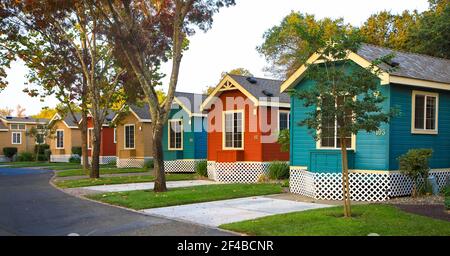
[231, 43]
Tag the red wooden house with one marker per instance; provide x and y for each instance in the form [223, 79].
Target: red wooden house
[245, 115]
[108, 140]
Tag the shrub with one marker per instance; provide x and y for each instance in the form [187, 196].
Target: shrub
[278, 170]
[77, 151]
[414, 164]
[9, 152]
[25, 157]
[201, 168]
[149, 164]
[447, 195]
[40, 149]
[75, 160]
[47, 154]
[284, 140]
[285, 184]
[42, 157]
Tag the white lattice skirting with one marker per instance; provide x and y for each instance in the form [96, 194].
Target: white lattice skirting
[131, 162]
[237, 172]
[60, 158]
[364, 185]
[103, 159]
[181, 165]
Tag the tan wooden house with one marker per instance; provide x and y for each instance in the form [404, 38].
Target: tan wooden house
[67, 135]
[134, 137]
[13, 134]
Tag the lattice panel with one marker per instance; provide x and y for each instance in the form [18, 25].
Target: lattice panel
[103, 159]
[181, 165]
[60, 158]
[364, 186]
[238, 172]
[130, 163]
[211, 167]
[302, 182]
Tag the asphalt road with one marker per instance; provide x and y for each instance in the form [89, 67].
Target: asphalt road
[29, 205]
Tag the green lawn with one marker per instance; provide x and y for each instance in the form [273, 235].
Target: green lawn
[381, 219]
[80, 172]
[120, 180]
[178, 196]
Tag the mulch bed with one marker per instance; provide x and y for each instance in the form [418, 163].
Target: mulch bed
[435, 211]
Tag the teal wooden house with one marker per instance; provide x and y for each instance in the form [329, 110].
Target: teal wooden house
[419, 87]
[185, 137]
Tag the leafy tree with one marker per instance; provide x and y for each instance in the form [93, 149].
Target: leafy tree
[288, 45]
[20, 111]
[389, 30]
[6, 111]
[46, 113]
[350, 100]
[238, 71]
[284, 140]
[414, 164]
[432, 35]
[147, 33]
[40, 133]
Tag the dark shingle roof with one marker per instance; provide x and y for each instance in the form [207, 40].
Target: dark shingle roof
[24, 119]
[411, 65]
[141, 112]
[263, 85]
[192, 101]
[70, 121]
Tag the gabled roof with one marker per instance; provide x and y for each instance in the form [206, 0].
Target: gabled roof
[141, 113]
[190, 102]
[262, 91]
[67, 120]
[24, 120]
[413, 69]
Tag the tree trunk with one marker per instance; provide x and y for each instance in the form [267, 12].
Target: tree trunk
[345, 179]
[38, 149]
[84, 145]
[96, 143]
[160, 179]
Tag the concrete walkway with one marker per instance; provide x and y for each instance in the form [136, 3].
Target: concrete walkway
[216, 213]
[146, 186]
[105, 176]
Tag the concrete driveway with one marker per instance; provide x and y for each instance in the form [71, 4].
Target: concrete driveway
[29, 205]
[216, 213]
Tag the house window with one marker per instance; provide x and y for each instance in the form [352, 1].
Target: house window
[329, 133]
[16, 138]
[283, 120]
[175, 135]
[18, 127]
[115, 135]
[90, 138]
[234, 129]
[425, 112]
[60, 139]
[129, 136]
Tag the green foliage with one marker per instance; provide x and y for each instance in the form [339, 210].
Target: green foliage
[25, 157]
[284, 140]
[285, 183]
[414, 164]
[9, 152]
[77, 151]
[40, 149]
[288, 45]
[47, 154]
[238, 71]
[75, 160]
[201, 168]
[447, 195]
[149, 164]
[278, 170]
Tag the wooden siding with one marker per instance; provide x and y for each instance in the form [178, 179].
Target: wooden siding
[107, 145]
[401, 139]
[143, 139]
[27, 145]
[72, 138]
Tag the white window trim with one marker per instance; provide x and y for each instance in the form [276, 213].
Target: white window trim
[288, 119]
[24, 127]
[125, 137]
[115, 135]
[56, 140]
[319, 141]
[224, 132]
[182, 135]
[12, 138]
[413, 113]
[89, 131]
